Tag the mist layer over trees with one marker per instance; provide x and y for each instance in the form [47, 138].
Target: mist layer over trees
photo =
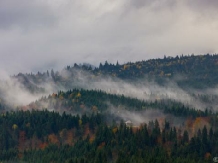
[159, 110]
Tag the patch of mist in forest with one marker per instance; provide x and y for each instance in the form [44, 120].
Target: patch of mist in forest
[14, 93]
[145, 116]
[25, 89]
[141, 89]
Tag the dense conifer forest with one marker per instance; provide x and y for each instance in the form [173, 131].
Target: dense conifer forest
[122, 121]
[45, 136]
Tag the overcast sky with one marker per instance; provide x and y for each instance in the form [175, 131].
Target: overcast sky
[44, 34]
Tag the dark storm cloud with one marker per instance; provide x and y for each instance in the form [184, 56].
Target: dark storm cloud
[45, 34]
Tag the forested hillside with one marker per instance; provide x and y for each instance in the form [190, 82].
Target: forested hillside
[159, 110]
[195, 71]
[98, 132]
[88, 101]
[187, 71]
[43, 136]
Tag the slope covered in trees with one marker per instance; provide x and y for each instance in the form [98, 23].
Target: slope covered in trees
[195, 71]
[187, 71]
[78, 125]
[92, 101]
[43, 136]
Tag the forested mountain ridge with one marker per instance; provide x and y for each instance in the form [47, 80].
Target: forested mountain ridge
[180, 78]
[195, 71]
[168, 66]
[78, 115]
[92, 101]
[187, 71]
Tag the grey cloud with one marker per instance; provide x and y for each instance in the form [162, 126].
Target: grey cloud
[153, 3]
[41, 34]
[194, 4]
[203, 4]
[141, 3]
[24, 13]
[204, 10]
